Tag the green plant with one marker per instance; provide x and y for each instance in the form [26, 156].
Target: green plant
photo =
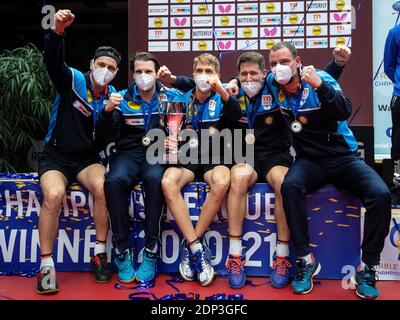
[26, 96]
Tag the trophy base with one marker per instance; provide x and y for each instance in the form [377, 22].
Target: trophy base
[170, 158]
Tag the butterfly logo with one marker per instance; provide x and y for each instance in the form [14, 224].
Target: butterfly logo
[180, 23]
[223, 9]
[224, 46]
[340, 17]
[270, 32]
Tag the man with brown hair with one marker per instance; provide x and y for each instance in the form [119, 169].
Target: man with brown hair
[72, 152]
[132, 113]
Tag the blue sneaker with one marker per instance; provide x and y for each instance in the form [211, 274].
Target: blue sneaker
[123, 262]
[204, 269]
[235, 268]
[303, 282]
[365, 281]
[187, 266]
[280, 271]
[148, 269]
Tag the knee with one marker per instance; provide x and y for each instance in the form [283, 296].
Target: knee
[383, 195]
[221, 185]
[98, 191]
[52, 199]
[290, 185]
[169, 187]
[153, 178]
[116, 180]
[276, 183]
[240, 183]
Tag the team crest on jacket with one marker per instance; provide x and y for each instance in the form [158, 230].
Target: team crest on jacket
[89, 96]
[163, 97]
[304, 96]
[281, 96]
[242, 103]
[266, 101]
[212, 105]
[133, 105]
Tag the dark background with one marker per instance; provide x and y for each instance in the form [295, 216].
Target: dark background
[96, 23]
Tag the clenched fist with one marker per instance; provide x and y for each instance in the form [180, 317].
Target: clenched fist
[232, 87]
[310, 76]
[166, 76]
[342, 55]
[62, 20]
[114, 100]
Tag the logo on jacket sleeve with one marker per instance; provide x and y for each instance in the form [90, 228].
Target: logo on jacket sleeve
[82, 108]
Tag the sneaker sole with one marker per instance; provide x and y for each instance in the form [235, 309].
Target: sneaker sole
[100, 281]
[127, 281]
[183, 276]
[237, 286]
[312, 277]
[353, 280]
[48, 291]
[276, 286]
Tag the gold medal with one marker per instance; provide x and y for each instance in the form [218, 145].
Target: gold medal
[269, 120]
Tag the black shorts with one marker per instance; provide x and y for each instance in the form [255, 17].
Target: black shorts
[199, 170]
[68, 164]
[263, 166]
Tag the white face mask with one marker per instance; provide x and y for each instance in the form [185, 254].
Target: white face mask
[252, 88]
[102, 76]
[202, 84]
[145, 82]
[283, 73]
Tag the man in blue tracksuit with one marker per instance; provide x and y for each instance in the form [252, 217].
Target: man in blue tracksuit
[326, 152]
[209, 105]
[132, 113]
[72, 151]
[392, 70]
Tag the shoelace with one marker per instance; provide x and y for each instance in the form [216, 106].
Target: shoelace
[282, 264]
[370, 276]
[301, 270]
[201, 260]
[126, 262]
[235, 265]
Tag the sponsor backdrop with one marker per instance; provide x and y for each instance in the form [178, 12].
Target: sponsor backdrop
[334, 222]
[176, 31]
[384, 18]
[389, 267]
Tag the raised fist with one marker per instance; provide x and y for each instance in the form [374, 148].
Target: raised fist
[62, 20]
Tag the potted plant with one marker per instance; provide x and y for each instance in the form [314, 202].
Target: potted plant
[26, 97]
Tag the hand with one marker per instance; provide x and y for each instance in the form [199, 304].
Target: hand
[215, 83]
[310, 76]
[171, 144]
[62, 20]
[114, 100]
[165, 76]
[232, 87]
[341, 54]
